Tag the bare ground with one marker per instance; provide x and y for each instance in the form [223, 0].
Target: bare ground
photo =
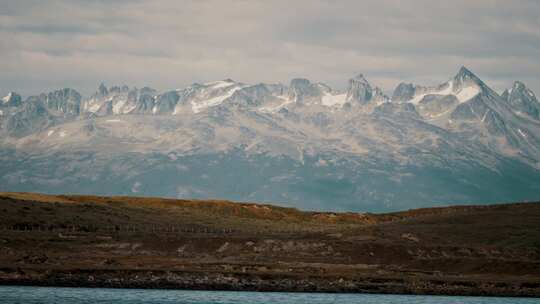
[164, 243]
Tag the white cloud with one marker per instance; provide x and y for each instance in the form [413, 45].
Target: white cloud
[169, 44]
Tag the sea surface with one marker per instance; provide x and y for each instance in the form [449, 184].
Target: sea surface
[49, 295]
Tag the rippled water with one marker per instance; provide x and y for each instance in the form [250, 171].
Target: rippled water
[47, 295]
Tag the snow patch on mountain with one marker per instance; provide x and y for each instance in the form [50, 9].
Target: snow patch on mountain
[7, 97]
[118, 106]
[467, 93]
[220, 84]
[284, 101]
[462, 94]
[345, 147]
[330, 100]
[447, 90]
[201, 105]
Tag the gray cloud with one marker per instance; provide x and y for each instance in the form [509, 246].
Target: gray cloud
[167, 44]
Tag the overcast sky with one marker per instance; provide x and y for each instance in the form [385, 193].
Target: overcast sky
[50, 44]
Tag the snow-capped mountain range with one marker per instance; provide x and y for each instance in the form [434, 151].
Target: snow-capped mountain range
[303, 144]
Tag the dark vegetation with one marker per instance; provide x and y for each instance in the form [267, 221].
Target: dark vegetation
[165, 243]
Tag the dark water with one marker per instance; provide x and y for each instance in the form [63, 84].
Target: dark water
[48, 295]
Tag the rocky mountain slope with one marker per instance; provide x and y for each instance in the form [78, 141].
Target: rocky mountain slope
[304, 145]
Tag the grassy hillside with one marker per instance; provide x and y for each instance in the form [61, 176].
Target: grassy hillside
[497, 244]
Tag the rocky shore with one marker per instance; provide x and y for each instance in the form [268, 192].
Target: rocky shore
[268, 283]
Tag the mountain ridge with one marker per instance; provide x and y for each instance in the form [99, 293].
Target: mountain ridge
[303, 143]
[368, 92]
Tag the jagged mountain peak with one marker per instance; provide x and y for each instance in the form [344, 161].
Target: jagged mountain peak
[64, 94]
[221, 83]
[102, 89]
[522, 100]
[119, 89]
[403, 92]
[302, 90]
[12, 99]
[379, 96]
[300, 82]
[8, 96]
[464, 86]
[465, 77]
[361, 78]
[519, 86]
[464, 71]
[299, 138]
[430, 101]
[359, 90]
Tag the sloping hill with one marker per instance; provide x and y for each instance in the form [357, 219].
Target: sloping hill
[154, 242]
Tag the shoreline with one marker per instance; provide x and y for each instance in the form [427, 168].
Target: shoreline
[125, 242]
[190, 280]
